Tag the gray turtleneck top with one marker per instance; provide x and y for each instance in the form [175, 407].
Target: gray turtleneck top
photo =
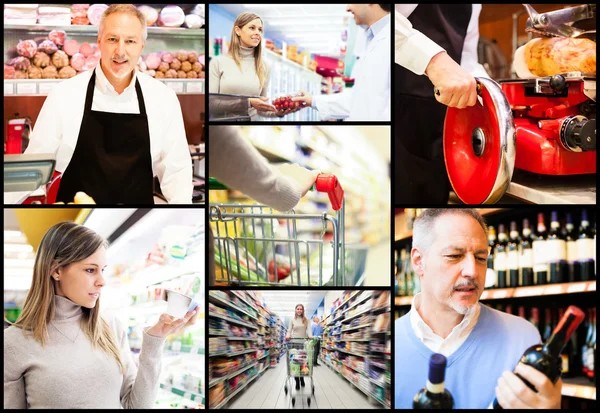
[226, 77]
[67, 373]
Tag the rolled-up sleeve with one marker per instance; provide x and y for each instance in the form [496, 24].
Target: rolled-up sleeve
[412, 49]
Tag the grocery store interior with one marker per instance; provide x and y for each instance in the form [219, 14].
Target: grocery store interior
[359, 157]
[45, 44]
[545, 171]
[151, 251]
[344, 365]
[544, 261]
[309, 47]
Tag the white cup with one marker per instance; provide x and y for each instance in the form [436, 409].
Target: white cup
[179, 304]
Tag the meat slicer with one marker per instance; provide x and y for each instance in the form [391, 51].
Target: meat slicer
[544, 125]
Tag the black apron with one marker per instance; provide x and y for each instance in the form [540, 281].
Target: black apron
[112, 161]
[420, 172]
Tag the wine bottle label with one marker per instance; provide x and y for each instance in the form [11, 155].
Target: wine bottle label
[513, 260]
[556, 250]
[540, 264]
[500, 261]
[526, 258]
[572, 251]
[585, 249]
[491, 278]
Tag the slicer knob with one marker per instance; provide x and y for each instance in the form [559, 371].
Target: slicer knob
[578, 134]
[558, 83]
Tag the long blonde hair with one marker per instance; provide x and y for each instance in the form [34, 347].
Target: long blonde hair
[304, 319]
[234, 49]
[64, 244]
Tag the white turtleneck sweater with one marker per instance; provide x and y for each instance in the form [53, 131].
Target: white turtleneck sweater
[67, 373]
[225, 77]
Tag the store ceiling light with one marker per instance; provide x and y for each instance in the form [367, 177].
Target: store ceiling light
[17, 248]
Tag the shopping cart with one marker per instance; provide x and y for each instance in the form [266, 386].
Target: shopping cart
[299, 361]
[250, 251]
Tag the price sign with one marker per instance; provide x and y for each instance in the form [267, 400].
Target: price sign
[8, 89]
[26, 88]
[577, 288]
[553, 290]
[46, 87]
[176, 86]
[195, 87]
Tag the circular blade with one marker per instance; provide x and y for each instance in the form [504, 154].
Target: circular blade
[479, 146]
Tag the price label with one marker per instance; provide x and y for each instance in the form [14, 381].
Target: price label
[553, 290]
[500, 294]
[592, 287]
[8, 89]
[46, 87]
[177, 87]
[195, 87]
[26, 88]
[577, 288]
[569, 390]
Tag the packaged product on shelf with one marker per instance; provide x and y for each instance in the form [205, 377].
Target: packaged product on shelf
[26, 14]
[216, 393]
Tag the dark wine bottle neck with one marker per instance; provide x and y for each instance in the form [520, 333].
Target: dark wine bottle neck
[559, 337]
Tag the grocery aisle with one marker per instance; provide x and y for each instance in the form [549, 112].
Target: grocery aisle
[356, 159]
[541, 261]
[153, 255]
[249, 354]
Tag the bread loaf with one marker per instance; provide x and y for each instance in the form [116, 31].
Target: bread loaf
[551, 56]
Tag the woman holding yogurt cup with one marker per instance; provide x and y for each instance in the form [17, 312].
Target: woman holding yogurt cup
[242, 71]
[62, 353]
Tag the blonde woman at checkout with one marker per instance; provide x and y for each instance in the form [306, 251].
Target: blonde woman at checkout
[299, 328]
[242, 71]
[62, 352]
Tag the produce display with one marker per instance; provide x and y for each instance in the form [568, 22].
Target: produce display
[551, 56]
[85, 14]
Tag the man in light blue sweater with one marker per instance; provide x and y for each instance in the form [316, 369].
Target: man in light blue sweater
[482, 345]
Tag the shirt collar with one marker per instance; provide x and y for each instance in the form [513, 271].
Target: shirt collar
[421, 328]
[106, 87]
[378, 25]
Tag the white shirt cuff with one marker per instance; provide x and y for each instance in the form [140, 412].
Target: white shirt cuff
[415, 51]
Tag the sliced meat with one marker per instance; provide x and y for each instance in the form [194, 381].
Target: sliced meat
[71, 47]
[58, 37]
[193, 21]
[48, 47]
[27, 48]
[80, 21]
[167, 57]
[20, 63]
[152, 61]
[86, 49]
[94, 13]
[78, 62]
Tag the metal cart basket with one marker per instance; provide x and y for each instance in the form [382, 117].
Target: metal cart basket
[299, 362]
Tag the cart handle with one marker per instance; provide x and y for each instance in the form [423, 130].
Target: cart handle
[324, 183]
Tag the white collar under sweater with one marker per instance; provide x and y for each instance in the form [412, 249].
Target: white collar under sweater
[435, 343]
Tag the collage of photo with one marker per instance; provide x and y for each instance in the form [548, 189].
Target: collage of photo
[281, 206]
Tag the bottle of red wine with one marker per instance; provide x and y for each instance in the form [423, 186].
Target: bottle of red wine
[556, 251]
[546, 357]
[434, 395]
[585, 248]
[512, 256]
[500, 257]
[540, 262]
[526, 257]
[571, 240]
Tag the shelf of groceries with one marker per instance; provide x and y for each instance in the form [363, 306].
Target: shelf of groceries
[245, 339]
[365, 185]
[357, 342]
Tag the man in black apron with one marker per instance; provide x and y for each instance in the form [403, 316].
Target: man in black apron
[112, 161]
[420, 172]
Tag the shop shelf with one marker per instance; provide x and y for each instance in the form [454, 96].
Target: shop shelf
[354, 328]
[241, 297]
[231, 320]
[42, 87]
[354, 354]
[354, 339]
[242, 338]
[218, 333]
[385, 403]
[218, 406]
[218, 300]
[579, 387]
[193, 396]
[235, 373]
[357, 302]
[263, 356]
[241, 352]
[352, 317]
[93, 30]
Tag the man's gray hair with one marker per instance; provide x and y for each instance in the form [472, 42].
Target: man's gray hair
[423, 227]
[124, 8]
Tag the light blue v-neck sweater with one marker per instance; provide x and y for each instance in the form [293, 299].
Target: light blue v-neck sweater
[495, 345]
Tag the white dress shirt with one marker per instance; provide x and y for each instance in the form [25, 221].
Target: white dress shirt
[57, 127]
[435, 343]
[414, 50]
[369, 98]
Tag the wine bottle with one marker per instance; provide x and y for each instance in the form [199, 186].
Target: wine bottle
[434, 395]
[556, 251]
[548, 327]
[500, 257]
[546, 357]
[400, 273]
[584, 347]
[571, 240]
[565, 354]
[512, 256]
[491, 278]
[540, 263]
[526, 255]
[585, 248]
[534, 318]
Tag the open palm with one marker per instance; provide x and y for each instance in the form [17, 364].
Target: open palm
[168, 324]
